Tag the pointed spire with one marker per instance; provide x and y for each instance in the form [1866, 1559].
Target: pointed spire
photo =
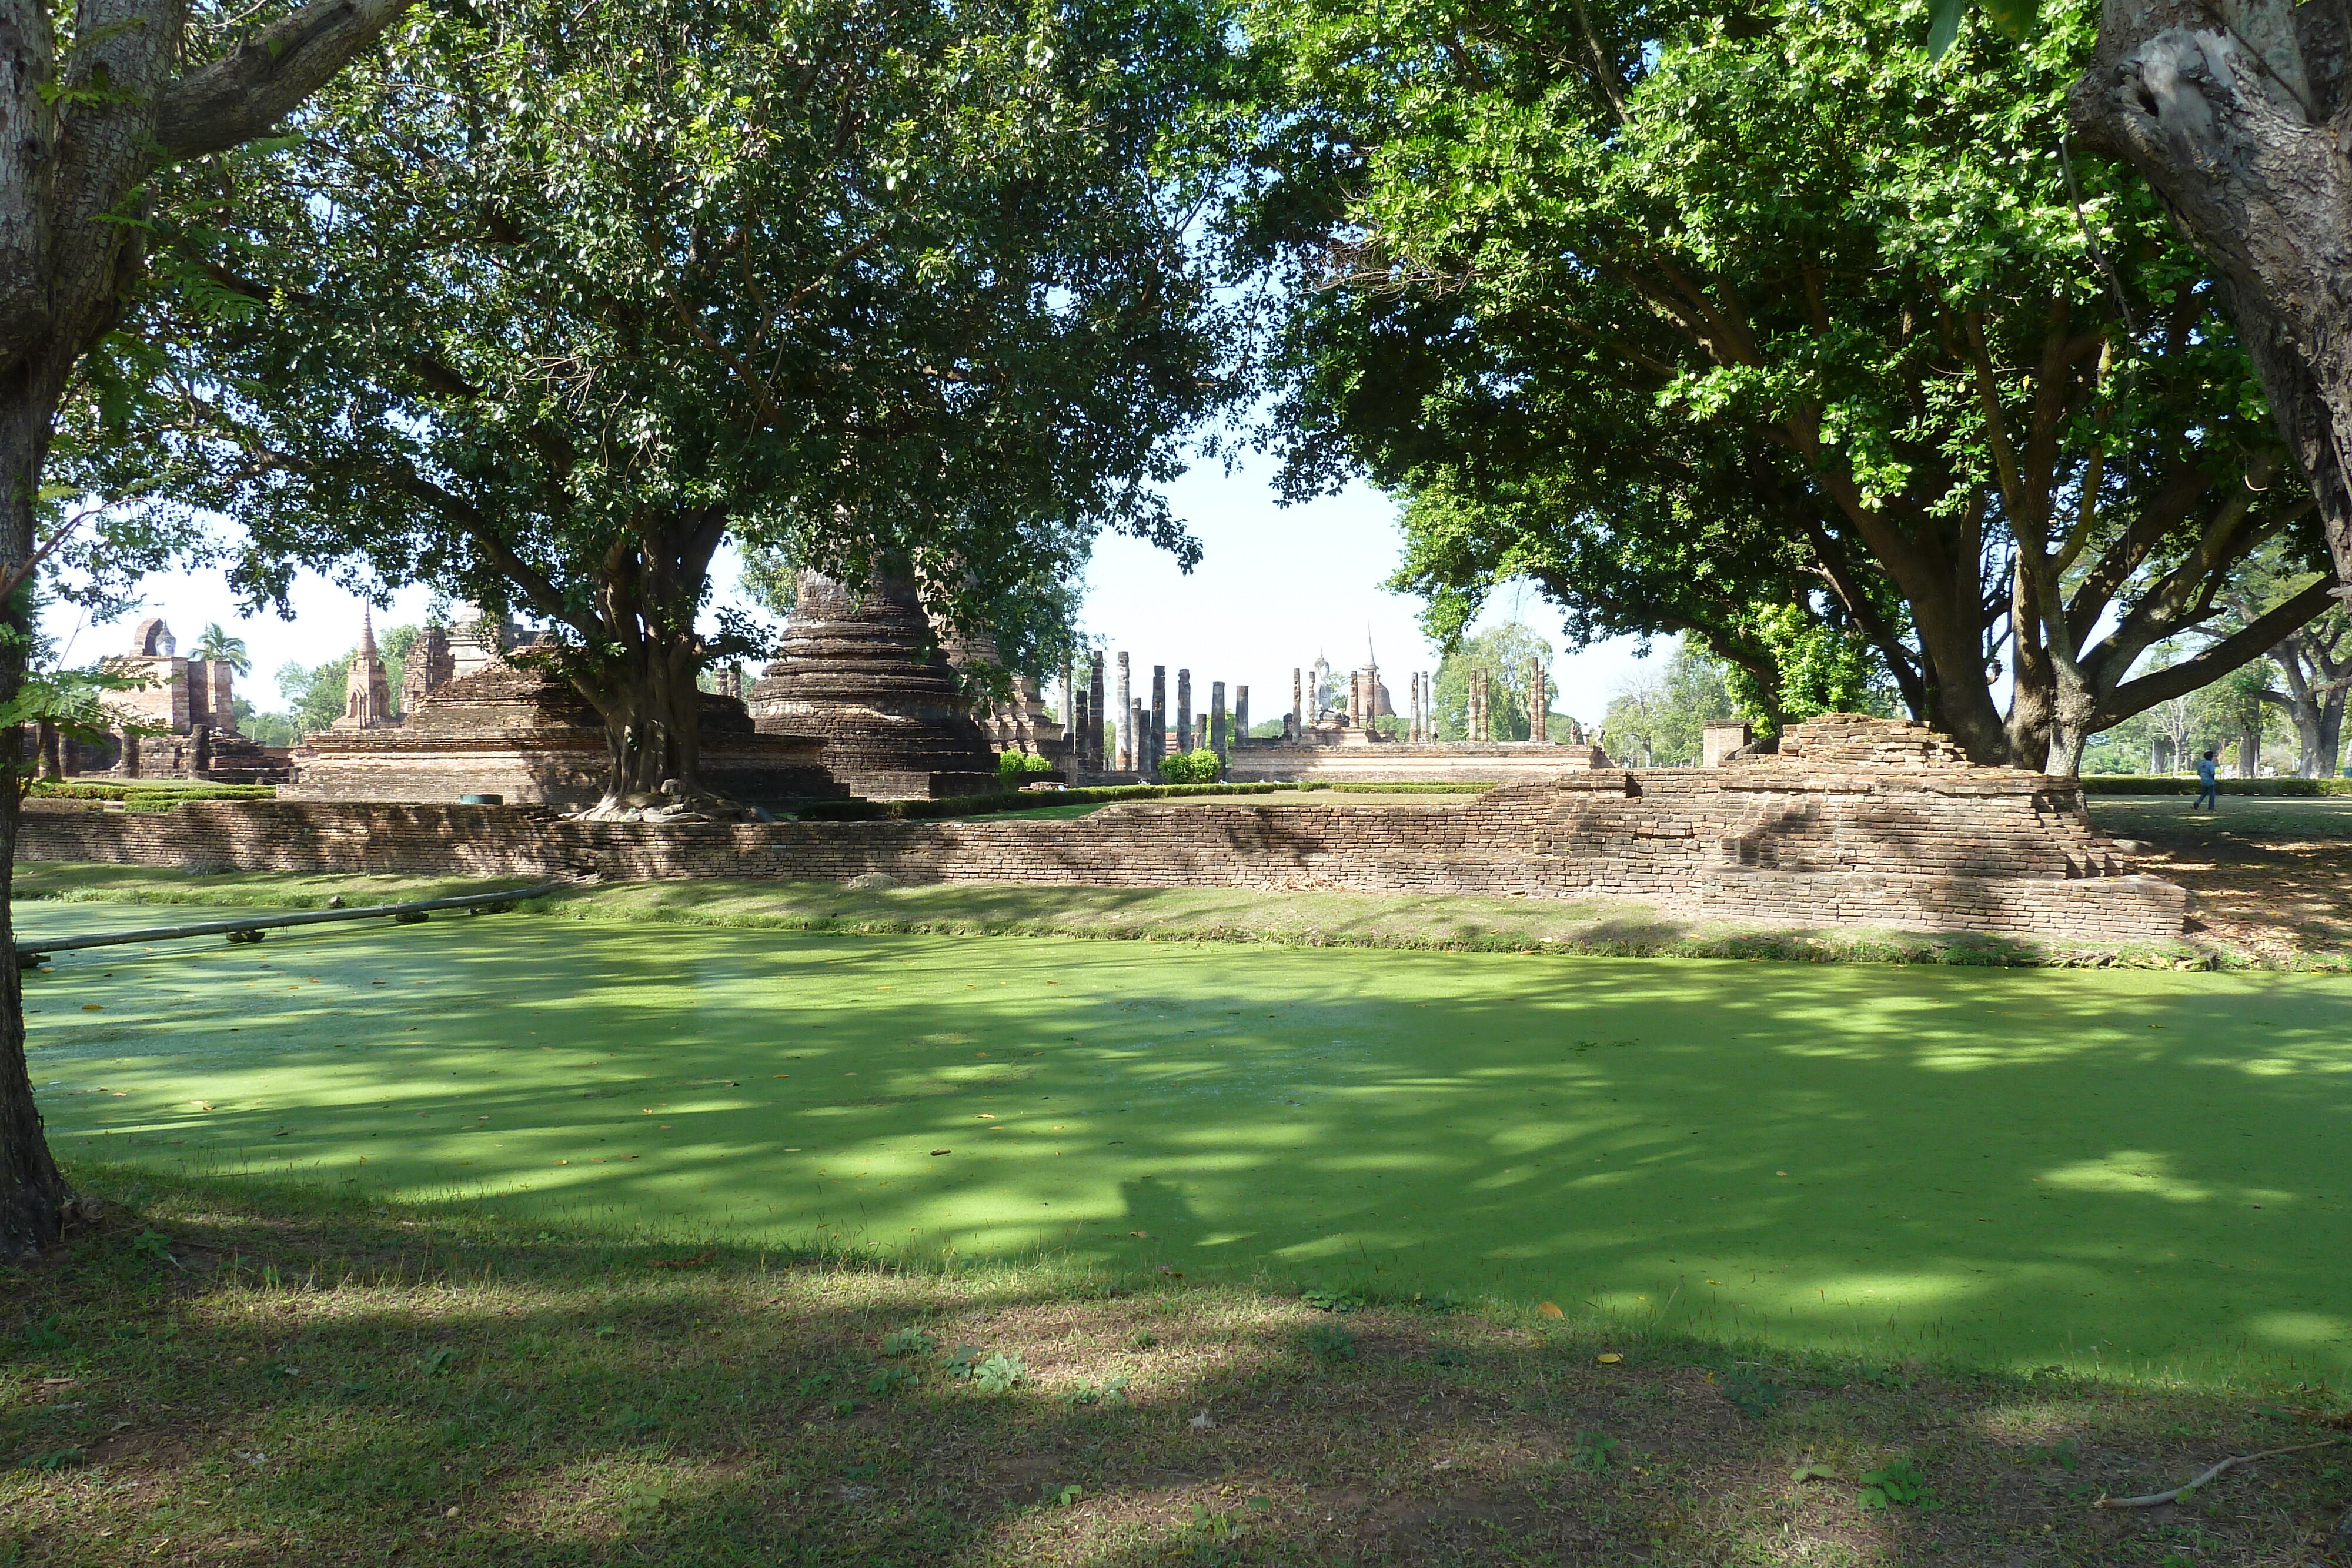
[367, 632]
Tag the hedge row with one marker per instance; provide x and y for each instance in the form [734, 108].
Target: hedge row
[144, 797]
[2163, 784]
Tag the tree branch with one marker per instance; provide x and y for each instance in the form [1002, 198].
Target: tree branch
[253, 87]
[2248, 642]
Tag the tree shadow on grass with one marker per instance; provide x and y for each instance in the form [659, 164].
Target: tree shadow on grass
[263, 1371]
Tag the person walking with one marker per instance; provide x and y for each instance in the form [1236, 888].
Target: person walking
[2209, 792]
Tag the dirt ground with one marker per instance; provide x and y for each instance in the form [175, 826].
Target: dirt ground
[2269, 877]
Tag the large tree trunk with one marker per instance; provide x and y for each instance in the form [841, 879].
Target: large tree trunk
[33, 1193]
[2240, 122]
[2326, 757]
[652, 708]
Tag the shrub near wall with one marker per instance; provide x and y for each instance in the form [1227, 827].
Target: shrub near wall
[156, 797]
[2162, 784]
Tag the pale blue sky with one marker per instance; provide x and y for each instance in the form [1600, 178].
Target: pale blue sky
[1275, 586]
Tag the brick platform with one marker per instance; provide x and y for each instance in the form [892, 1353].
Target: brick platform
[1904, 843]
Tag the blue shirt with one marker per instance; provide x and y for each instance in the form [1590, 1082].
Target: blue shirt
[2205, 769]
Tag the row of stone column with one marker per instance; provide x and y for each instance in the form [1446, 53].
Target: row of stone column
[1138, 733]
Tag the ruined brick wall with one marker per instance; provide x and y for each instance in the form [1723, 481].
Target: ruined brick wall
[1779, 843]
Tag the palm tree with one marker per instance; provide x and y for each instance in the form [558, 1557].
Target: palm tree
[219, 646]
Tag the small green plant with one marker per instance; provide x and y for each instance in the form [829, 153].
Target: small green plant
[2066, 1454]
[636, 1423]
[1896, 1484]
[59, 1459]
[1064, 1496]
[1111, 1393]
[1593, 1452]
[863, 1470]
[1332, 1301]
[639, 1505]
[1199, 766]
[1144, 1339]
[435, 1362]
[963, 1361]
[1223, 1525]
[1329, 1342]
[999, 1374]
[888, 1380]
[844, 1408]
[154, 1245]
[908, 1342]
[1446, 1355]
[815, 1384]
[45, 1334]
[1751, 1395]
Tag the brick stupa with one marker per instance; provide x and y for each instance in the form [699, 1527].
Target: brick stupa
[863, 674]
[514, 730]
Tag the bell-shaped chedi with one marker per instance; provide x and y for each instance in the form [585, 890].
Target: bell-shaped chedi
[863, 674]
[513, 729]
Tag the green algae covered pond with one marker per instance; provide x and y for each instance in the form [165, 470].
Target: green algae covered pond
[2140, 1172]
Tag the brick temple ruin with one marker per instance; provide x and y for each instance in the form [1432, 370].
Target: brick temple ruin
[482, 716]
[1121, 734]
[1854, 822]
[178, 722]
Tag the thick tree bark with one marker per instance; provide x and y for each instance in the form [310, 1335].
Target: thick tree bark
[2239, 119]
[33, 1194]
[653, 724]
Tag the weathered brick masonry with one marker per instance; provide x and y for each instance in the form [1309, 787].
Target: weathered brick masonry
[1809, 841]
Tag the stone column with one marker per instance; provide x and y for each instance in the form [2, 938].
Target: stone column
[1412, 707]
[1158, 750]
[1183, 710]
[1095, 699]
[1138, 728]
[1298, 725]
[1538, 702]
[1241, 715]
[1218, 742]
[1126, 719]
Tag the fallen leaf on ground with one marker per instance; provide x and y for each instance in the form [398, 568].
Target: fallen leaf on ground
[1609, 1358]
[1201, 1422]
[1551, 1309]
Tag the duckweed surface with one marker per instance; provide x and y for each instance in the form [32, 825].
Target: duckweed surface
[2140, 1172]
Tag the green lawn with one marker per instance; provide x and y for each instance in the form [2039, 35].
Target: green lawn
[2136, 1172]
[2307, 819]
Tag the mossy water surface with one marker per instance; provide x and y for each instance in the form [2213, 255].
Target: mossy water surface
[2137, 1171]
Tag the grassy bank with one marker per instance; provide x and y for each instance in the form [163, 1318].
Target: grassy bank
[1314, 917]
[210, 1375]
